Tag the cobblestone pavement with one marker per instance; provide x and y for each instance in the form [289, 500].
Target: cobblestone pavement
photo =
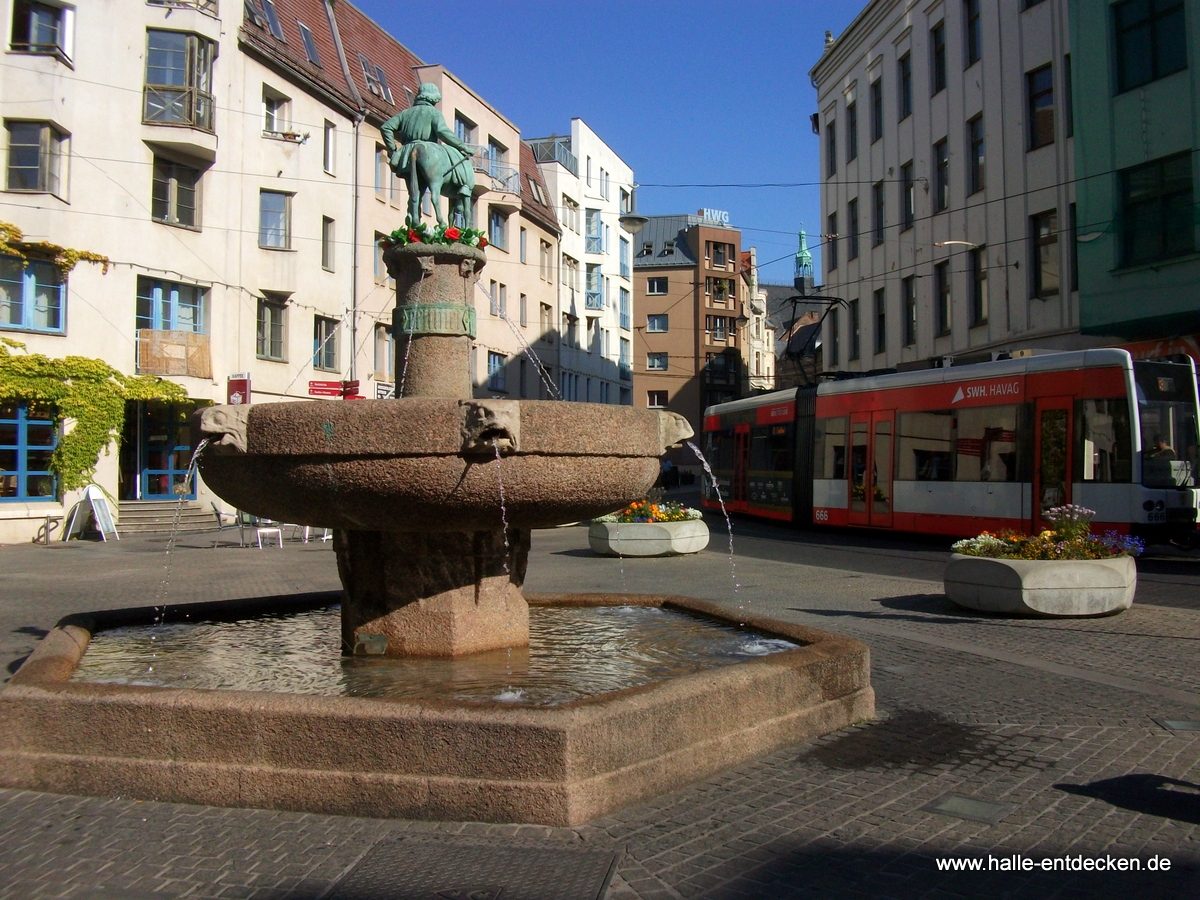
[1071, 735]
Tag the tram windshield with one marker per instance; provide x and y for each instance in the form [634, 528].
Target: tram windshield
[1166, 395]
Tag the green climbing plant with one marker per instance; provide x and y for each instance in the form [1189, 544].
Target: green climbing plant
[13, 243]
[88, 391]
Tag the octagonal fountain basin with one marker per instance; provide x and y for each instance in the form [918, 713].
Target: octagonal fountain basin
[430, 464]
[642, 694]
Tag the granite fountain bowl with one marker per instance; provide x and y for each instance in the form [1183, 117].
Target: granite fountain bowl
[430, 464]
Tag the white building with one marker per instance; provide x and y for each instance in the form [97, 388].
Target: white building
[592, 188]
[225, 159]
[758, 345]
[948, 202]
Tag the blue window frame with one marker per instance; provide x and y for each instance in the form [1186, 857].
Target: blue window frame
[170, 306]
[496, 373]
[32, 297]
[497, 228]
[595, 287]
[626, 316]
[28, 438]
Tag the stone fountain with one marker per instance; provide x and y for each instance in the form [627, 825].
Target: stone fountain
[432, 564]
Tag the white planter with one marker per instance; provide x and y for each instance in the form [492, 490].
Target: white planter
[1042, 587]
[648, 538]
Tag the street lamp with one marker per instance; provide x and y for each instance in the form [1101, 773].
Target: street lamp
[632, 222]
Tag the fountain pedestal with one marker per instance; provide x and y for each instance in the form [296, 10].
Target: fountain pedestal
[432, 594]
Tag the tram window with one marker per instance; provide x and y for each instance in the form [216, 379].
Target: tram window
[925, 446]
[1167, 415]
[771, 448]
[985, 446]
[1103, 444]
[829, 445]
[720, 449]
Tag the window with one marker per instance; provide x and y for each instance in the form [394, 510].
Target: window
[375, 79]
[178, 79]
[985, 443]
[854, 330]
[852, 227]
[524, 311]
[570, 214]
[880, 321]
[908, 194]
[173, 198]
[35, 158]
[495, 153]
[830, 147]
[974, 33]
[1040, 91]
[546, 322]
[721, 254]
[310, 46]
[941, 176]
[1103, 452]
[385, 354]
[325, 344]
[717, 327]
[276, 111]
[829, 449]
[42, 28]
[268, 7]
[851, 131]
[656, 362]
[28, 439]
[925, 446]
[876, 109]
[909, 295]
[979, 288]
[834, 329]
[1068, 99]
[522, 238]
[1044, 228]
[274, 220]
[941, 282]
[831, 243]
[937, 62]
[624, 259]
[878, 212]
[625, 311]
[496, 375]
[1156, 210]
[904, 66]
[327, 243]
[589, 171]
[170, 306]
[975, 155]
[383, 172]
[464, 128]
[378, 268]
[32, 295]
[625, 360]
[271, 317]
[328, 147]
[595, 295]
[497, 228]
[1151, 41]
[656, 399]
[656, 286]
[657, 323]
[595, 232]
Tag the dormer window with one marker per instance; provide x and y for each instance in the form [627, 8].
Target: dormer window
[310, 45]
[375, 78]
[668, 248]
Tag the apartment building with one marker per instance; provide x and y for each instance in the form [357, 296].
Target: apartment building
[948, 199]
[592, 188]
[687, 349]
[225, 160]
[758, 344]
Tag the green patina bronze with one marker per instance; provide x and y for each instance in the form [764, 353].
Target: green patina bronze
[437, 318]
[429, 157]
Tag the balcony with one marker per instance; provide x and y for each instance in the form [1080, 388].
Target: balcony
[594, 300]
[178, 106]
[208, 7]
[555, 150]
[173, 353]
[503, 178]
[595, 243]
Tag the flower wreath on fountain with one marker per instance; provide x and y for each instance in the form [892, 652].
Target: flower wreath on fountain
[1070, 538]
[441, 234]
[651, 509]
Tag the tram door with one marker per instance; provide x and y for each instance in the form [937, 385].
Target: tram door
[1052, 457]
[741, 461]
[871, 455]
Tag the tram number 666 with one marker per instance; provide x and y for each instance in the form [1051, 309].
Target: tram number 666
[820, 515]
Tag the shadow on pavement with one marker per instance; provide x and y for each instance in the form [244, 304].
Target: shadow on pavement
[1152, 795]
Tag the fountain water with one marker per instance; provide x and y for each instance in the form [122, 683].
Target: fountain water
[430, 569]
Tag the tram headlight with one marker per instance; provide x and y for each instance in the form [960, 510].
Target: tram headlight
[1148, 505]
[1159, 505]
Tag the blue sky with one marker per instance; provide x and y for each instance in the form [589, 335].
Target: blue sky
[685, 92]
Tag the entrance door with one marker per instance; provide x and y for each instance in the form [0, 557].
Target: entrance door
[741, 461]
[1052, 458]
[166, 450]
[871, 449]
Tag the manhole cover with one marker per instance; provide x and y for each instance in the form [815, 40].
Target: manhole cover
[405, 868]
[968, 808]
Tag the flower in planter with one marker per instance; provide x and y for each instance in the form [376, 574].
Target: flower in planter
[1070, 538]
[652, 509]
[421, 233]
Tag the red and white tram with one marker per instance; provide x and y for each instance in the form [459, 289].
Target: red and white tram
[958, 450]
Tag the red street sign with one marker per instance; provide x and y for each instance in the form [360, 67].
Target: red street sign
[325, 389]
[354, 397]
[350, 387]
[237, 391]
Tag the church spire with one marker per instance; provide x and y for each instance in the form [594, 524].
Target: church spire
[803, 281]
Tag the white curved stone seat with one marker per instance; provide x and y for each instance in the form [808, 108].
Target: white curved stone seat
[648, 538]
[1042, 587]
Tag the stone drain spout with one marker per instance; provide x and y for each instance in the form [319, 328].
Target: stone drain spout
[488, 425]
